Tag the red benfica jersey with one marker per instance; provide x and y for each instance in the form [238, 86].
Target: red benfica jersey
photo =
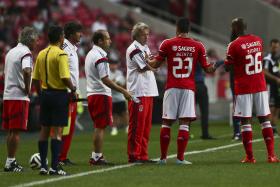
[246, 56]
[182, 56]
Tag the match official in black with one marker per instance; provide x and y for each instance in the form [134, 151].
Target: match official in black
[202, 99]
[52, 70]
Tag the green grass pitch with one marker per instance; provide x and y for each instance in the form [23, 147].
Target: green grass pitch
[210, 168]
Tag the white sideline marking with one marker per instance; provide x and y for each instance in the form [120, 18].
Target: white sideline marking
[34, 183]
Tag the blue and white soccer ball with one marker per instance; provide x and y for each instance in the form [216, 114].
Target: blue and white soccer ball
[35, 161]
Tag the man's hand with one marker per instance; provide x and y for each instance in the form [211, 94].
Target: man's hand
[73, 95]
[127, 95]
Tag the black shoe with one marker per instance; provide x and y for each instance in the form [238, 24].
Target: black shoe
[149, 161]
[136, 161]
[236, 137]
[67, 162]
[59, 171]
[207, 138]
[14, 167]
[143, 161]
[100, 162]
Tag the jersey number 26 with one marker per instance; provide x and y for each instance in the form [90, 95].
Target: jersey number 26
[255, 62]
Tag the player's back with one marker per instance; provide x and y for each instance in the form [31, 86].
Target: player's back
[246, 53]
[182, 55]
[14, 81]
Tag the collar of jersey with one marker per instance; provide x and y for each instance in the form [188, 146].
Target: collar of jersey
[138, 44]
[99, 49]
[72, 47]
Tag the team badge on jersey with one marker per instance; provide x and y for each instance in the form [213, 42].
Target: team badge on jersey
[174, 48]
[141, 108]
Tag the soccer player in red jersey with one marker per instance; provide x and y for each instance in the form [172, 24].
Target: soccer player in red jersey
[182, 54]
[245, 55]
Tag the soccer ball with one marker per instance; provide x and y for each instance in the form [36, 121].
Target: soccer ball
[35, 161]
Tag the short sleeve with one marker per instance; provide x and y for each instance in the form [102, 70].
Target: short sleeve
[162, 52]
[137, 57]
[64, 71]
[102, 67]
[26, 61]
[202, 57]
[230, 55]
[139, 60]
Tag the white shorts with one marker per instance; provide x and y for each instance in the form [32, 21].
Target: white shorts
[243, 105]
[178, 103]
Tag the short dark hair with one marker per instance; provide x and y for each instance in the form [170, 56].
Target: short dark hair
[183, 25]
[54, 33]
[274, 40]
[98, 35]
[71, 28]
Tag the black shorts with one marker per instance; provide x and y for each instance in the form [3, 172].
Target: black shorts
[119, 107]
[274, 98]
[54, 108]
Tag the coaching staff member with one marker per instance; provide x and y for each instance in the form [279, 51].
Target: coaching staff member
[18, 69]
[73, 33]
[52, 69]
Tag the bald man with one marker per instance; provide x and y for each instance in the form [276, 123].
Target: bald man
[245, 55]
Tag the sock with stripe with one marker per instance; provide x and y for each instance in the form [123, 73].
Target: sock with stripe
[182, 141]
[267, 133]
[164, 140]
[247, 137]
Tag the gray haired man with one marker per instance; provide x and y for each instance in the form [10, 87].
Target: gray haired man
[18, 69]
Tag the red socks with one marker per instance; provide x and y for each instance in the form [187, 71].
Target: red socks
[182, 141]
[267, 133]
[247, 137]
[164, 140]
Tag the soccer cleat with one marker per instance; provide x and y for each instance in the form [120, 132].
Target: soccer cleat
[114, 131]
[14, 167]
[149, 161]
[100, 161]
[183, 162]
[248, 160]
[136, 161]
[59, 171]
[66, 162]
[43, 171]
[273, 159]
[126, 129]
[162, 162]
[236, 137]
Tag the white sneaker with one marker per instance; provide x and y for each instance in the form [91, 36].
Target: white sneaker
[182, 162]
[114, 131]
[161, 162]
[126, 129]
